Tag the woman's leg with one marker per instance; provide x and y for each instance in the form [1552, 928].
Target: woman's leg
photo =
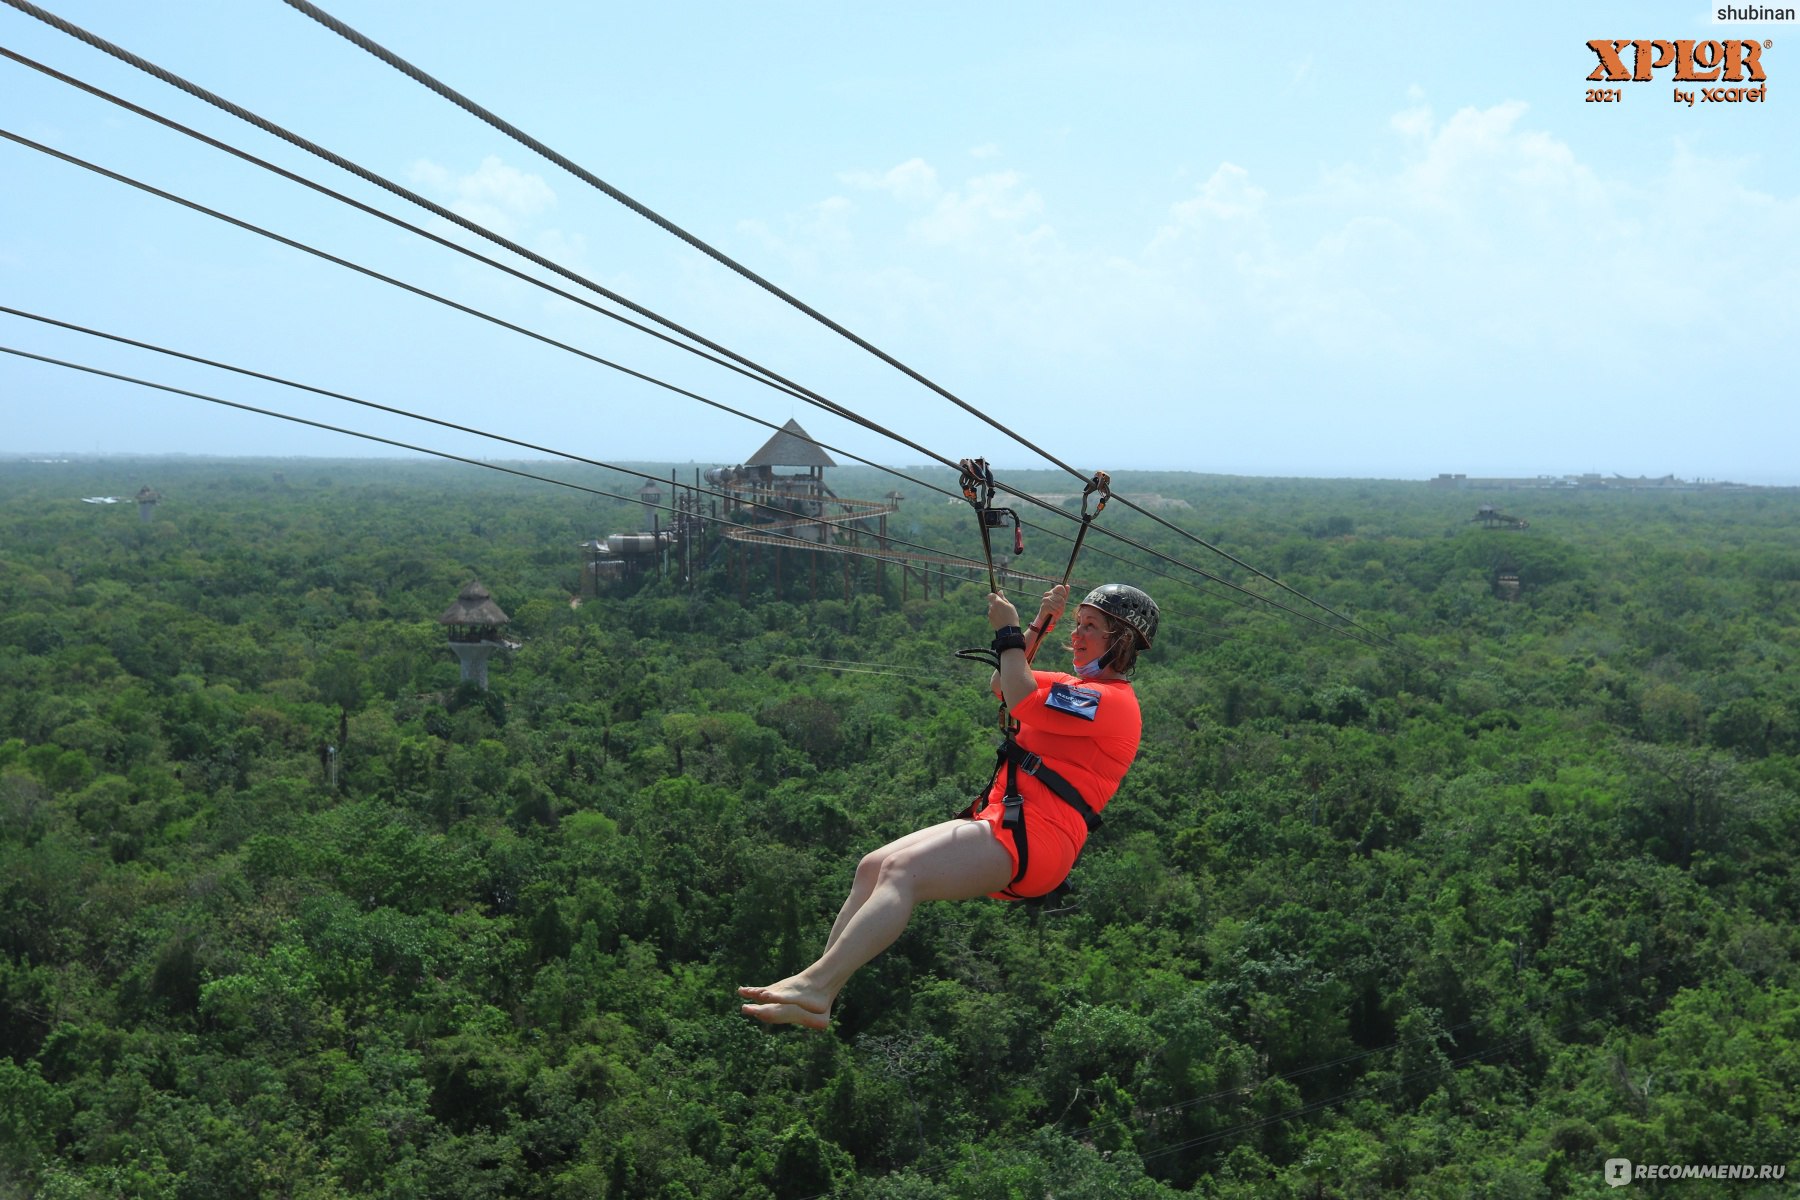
[957, 860]
[868, 873]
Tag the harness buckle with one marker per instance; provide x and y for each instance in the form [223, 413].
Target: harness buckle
[1013, 810]
[1030, 761]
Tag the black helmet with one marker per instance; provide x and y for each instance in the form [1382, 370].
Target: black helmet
[1127, 604]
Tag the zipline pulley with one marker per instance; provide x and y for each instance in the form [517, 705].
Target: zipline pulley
[978, 489]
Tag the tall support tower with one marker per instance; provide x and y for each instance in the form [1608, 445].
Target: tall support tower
[474, 622]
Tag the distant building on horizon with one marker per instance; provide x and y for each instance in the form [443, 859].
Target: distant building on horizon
[1592, 480]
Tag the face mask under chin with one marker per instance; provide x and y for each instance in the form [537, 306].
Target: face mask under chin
[1092, 668]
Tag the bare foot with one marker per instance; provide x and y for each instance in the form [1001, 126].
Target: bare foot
[786, 1014]
[789, 991]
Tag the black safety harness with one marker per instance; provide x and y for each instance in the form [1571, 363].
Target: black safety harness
[978, 488]
[1014, 758]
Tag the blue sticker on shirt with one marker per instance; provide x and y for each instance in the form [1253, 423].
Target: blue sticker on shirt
[1078, 701]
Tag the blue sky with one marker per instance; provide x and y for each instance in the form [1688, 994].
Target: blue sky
[1384, 241]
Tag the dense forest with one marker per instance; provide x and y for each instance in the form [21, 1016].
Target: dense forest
[1464, 906]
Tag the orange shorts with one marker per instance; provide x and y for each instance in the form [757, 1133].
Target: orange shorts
[1050, 850]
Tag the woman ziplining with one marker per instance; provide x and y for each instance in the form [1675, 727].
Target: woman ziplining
[1077, 735]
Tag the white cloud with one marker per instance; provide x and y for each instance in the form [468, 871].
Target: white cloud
[1227, 194]
[1456, 254]
[507, 187]
[1484, 238]
[987, 207]
[831, 220]
[1414, 123]
[495, 196]
[912, 182]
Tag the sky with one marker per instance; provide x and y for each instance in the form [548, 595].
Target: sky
[1385, 240]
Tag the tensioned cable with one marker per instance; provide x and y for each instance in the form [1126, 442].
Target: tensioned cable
[514, 132]
[843, 524]
[195, 90]
[269, 412]
[1289, 609]
[451, 216]
[546, 339]
[776, 537]
[448, 215]
[408, 287]
[518, 135]
[1217, 1135]
[787, 385]
[767, 377]
[385, 441]
[771, 377]
[415, 290]
[430, 206]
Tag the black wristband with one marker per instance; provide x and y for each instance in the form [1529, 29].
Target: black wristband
[1008, 637]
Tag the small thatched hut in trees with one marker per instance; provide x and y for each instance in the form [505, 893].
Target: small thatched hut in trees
[474, 622]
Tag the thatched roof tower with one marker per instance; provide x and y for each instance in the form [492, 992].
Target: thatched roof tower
[790, 447]
[474, 622]
[474, 606]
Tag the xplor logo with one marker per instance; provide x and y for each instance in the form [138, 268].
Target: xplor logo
[1695, 61]
[1734, 61]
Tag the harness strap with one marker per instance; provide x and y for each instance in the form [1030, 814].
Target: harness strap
[1017, 758]
[1012, 818]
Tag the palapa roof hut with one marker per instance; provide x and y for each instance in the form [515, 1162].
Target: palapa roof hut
[474, 616]
[791, 446]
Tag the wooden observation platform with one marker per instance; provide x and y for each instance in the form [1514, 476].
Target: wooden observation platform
[797, 511]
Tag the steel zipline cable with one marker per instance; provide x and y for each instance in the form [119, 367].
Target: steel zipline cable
[749, 369]
[430, 206]
[534, 280]
[467, 310]
[775, 537]
[423, 293]
[505, 243]
[512, 131]
[299, 4]
[844, 524]
[763, 373]
[797, 542]
[756, 370]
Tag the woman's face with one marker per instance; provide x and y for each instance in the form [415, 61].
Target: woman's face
[1091, 634]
